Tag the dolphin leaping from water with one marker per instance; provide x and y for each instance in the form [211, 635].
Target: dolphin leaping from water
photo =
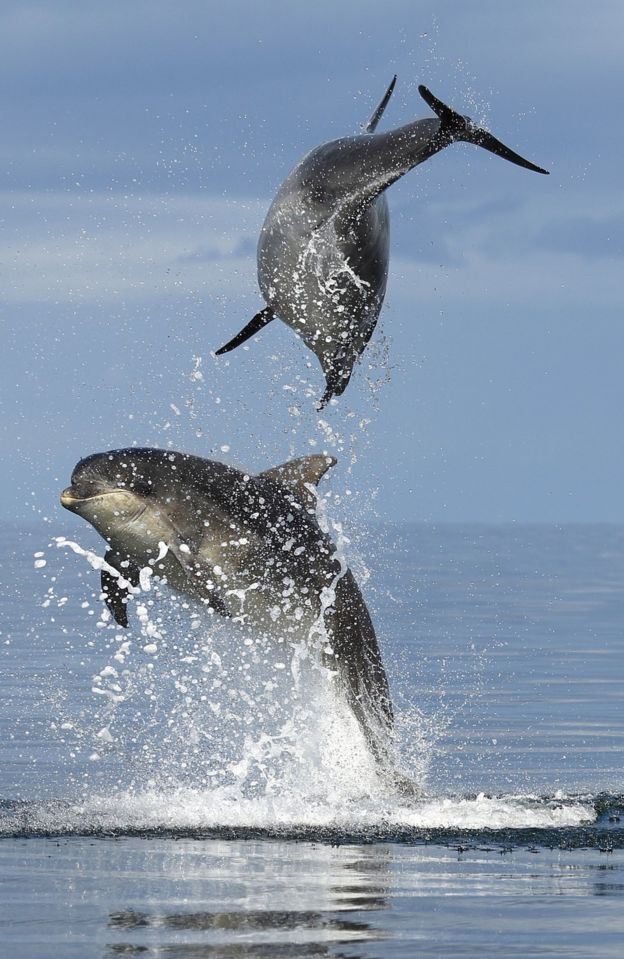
[248, 547]
[324, 247]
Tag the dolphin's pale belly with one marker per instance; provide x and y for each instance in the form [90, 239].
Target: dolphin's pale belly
[144, 539]
[328, 281]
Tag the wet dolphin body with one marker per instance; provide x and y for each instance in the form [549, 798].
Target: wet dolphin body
[249, 547]
[324, 247]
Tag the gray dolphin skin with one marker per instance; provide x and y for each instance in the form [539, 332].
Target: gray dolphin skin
[324, 247]
[248, 547]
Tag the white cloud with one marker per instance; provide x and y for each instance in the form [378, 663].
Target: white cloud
[96, 247]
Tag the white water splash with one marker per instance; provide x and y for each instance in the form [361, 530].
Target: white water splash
[96, 562]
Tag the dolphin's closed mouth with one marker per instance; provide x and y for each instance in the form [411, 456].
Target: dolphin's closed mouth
[68, 496]
[71, 495]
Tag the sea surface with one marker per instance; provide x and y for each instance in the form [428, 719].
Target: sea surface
[180, 789]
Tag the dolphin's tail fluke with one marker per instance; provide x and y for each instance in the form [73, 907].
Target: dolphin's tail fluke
[371, 126]
[254, 326]
[456, 127]
[355, 654]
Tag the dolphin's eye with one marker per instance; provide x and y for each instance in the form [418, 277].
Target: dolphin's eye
[141, 486]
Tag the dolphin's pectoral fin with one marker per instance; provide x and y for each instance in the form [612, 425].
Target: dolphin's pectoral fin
[355, 654]
[200, 576]
[298, 474]
[116, 596]
[377, 115]
[213, 601]
[254, 326]
[453, 126]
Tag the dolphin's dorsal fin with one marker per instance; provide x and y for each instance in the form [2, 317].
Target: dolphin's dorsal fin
[298, 474]
[377, 115]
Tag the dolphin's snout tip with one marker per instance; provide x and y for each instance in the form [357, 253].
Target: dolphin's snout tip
[68, 497]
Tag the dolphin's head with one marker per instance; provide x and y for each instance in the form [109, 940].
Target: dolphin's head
[111, 490]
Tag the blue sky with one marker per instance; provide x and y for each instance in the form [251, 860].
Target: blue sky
[142, 144]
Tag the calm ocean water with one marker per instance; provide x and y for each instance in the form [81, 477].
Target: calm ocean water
[174, 791]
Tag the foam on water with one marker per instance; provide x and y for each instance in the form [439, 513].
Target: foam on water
[293, 811]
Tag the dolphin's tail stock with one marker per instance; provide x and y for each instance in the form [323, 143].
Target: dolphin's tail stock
[355, 654]
[453, 127]
[259, 321]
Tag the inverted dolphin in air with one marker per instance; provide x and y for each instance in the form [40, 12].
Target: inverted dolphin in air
[324, 247]
[246, 546]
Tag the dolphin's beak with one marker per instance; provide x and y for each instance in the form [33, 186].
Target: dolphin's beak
[68, 497]
[484, 139]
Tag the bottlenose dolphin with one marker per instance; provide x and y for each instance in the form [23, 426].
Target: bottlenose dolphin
[249, 547]
[324, 247]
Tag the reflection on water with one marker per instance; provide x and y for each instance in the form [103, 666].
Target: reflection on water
[296, 926]
[360, 897]
[268, 950]
[252, 919]
[99, 899]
